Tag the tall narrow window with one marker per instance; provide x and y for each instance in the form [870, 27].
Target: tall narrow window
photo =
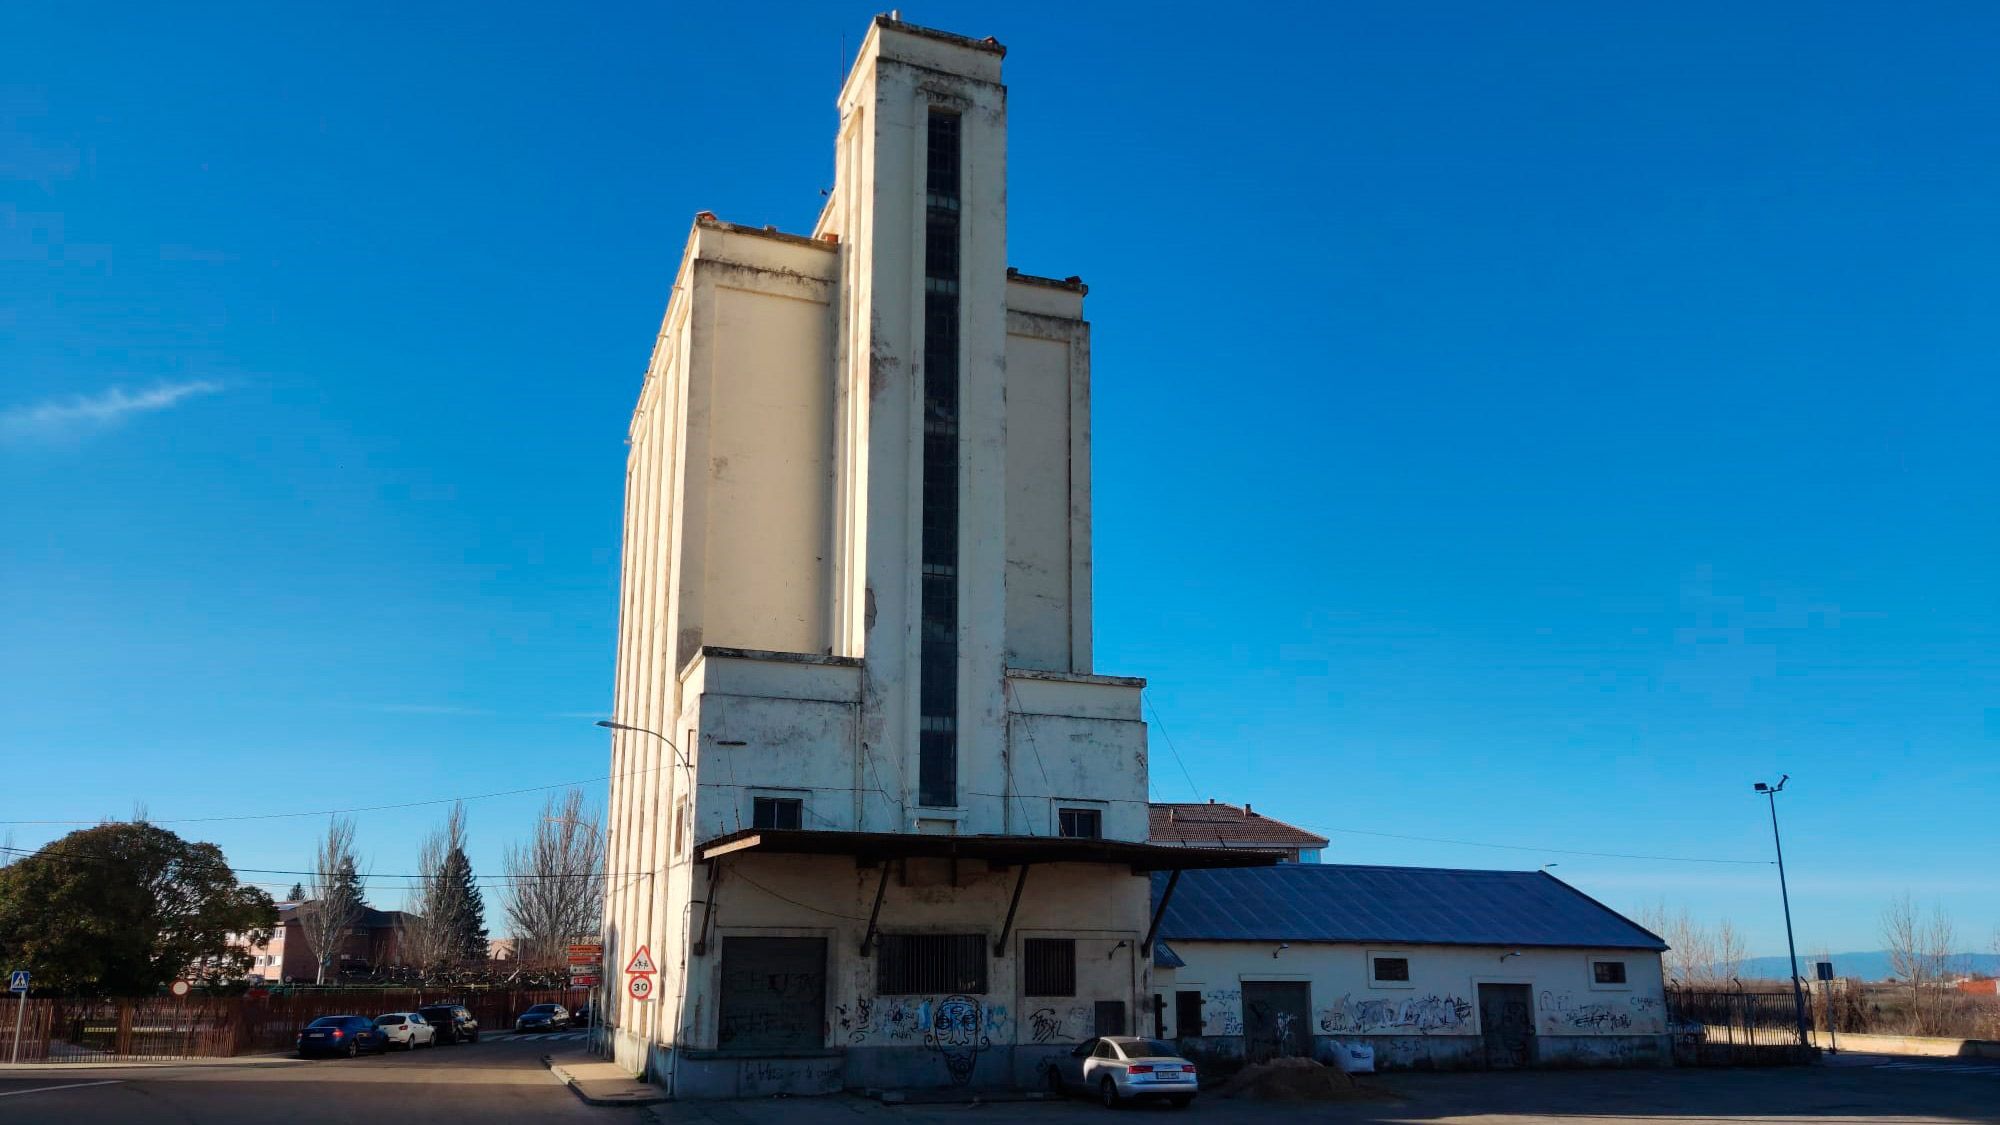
[937, 664]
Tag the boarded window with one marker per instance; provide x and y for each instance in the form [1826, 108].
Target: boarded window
[1187, 1013]
[777, 812]
[1082, 824]
[919, 964]
[773, 994]
[1049, 966]
[1392, 969]
[1608, 972]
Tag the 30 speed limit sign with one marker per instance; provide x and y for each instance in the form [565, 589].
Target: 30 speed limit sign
[641, 988]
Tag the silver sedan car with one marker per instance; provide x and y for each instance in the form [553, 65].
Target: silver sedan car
[1116, 1068]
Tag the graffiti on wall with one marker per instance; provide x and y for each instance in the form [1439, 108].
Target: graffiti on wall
[1563, 1014]
[957, 1032]
[905, 1021]
[1421, 1014]
[1222, 1011]
[1047, 1025]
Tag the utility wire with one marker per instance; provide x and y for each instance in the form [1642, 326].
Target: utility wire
[1161, 723]
[359, 809]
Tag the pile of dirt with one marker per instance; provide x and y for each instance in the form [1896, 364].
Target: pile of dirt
[1293, 1080]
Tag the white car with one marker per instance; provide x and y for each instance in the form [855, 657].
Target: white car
[407, 1030]
[1118, 1067]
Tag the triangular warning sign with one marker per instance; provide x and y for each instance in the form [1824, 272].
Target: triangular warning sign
[642, 962]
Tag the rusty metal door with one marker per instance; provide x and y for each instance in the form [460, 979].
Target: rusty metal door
[773, 994]
[1507, 1023]
[1276, 1019]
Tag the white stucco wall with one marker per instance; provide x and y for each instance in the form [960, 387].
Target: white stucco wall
[768, 628]
[1441, 998]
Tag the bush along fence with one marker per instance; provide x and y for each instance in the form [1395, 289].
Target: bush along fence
[59, 1031]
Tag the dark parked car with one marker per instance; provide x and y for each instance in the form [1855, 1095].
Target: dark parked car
[543, 1017]
[453, 1022]
[341, 1035]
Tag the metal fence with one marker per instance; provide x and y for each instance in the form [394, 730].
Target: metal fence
[59, 1031]
[1735, 1027]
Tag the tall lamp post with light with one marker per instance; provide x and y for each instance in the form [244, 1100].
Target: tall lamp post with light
[1770, 793]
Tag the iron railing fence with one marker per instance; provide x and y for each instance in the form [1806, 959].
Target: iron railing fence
[1734, 1027]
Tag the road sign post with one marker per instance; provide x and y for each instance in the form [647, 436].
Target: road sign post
[17, 983]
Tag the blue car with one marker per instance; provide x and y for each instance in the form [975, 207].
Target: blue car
[543, 1017]
[341, 1035]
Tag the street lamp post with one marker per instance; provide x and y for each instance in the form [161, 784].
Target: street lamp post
[1770, 793]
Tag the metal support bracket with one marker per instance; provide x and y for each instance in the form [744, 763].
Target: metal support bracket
[1007, 927]
[881, 889]
[708, 906]
[1153, 931]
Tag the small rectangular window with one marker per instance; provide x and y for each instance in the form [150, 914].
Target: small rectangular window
[1396, 969]
[777, 812]
[1048, 966]
[1081, 824]
[1608, 972]
[916, 964]
[1187, 1013]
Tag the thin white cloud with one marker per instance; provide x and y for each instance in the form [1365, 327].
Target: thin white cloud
[424, 709]
[58, 418]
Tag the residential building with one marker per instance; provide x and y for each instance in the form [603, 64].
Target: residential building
[372, 944]
[1213, 825]
[1432, 968]
[876, 818]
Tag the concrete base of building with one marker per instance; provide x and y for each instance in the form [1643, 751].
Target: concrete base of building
[1459, 1052]
[709, 1075]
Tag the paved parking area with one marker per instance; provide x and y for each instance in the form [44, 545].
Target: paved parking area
[504, 1082]
[1847, 1095]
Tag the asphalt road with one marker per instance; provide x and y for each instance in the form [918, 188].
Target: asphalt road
[498, 1083]
[493, 1083]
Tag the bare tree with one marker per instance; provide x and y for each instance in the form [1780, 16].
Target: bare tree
[1921, 956]
[557, 881]
[1730, 952]
[334, 904]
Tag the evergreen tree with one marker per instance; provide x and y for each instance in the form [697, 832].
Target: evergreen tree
[297, 893]
[465, 911]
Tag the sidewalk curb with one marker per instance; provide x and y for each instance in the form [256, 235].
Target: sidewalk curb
[566, 1078]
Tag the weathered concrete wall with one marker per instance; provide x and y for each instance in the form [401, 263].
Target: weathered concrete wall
[1048, 478]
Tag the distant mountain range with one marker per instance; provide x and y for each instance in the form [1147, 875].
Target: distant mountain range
[1866, 966]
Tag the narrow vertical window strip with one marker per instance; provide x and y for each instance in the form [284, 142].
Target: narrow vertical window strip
[937, 662]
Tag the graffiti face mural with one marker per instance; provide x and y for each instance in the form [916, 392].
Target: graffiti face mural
[957, 1033]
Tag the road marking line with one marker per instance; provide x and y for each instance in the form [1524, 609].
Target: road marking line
[70, 1086]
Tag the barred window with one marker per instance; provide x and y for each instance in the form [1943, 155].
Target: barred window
[1392, 969]
[916, 964]
[1608, 972]
[1048, 966]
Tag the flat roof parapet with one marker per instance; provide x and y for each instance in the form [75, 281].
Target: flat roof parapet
[988, 44]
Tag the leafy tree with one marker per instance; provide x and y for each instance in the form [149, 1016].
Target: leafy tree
[124, 909]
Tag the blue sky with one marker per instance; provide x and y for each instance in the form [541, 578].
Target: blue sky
[1522, 425]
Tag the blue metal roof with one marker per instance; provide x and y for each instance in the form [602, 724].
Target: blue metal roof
[1391, 905]
[1165, 958]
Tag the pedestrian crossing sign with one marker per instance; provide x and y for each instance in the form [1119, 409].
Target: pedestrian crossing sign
[17, 981]
[642, 962]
